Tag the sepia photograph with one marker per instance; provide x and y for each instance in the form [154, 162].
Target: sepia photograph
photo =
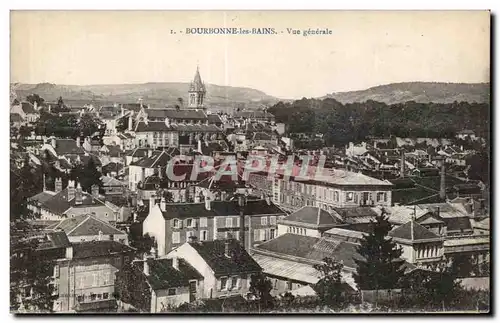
[256, 162]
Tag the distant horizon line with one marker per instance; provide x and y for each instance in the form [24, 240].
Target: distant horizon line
[255, 89]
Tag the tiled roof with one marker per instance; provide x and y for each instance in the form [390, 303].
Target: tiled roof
[16, 117]
[177, 114]
[110, 181]
[213, 119]
[137, 152]
[104, 248]
[252, 114]
[152, 126]
[59, 203]
[238, 262]
[28, 108]
[111, 167]
[67, 146]
[157, 159]
[42, 197]
[187, 210]
[313, 215]
[136, 107]
[87, 225]
[163, 275]
[354, 212]
[312, 248]
[412, 231]
[262, 136]
[457, 224]
[196, 127]
[58, 239]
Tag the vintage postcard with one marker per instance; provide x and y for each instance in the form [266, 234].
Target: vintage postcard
[261, 162]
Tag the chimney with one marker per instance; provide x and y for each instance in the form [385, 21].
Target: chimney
[100, 235]
[150, 153]
[53, 142]
[442, 188]
[71, 190]
[175, 263]
[163, 204]
[146, 265]
[95, 190]
[152, 202]
[57, 185]
[78, 195]
[207, 203]
[78, 143]
[226, 249]
[199, 147]
[402, 175]
[160, 174]
[122, 110]
[69, 252]
[130, 123]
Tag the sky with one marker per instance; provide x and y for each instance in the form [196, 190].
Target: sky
[364, 48]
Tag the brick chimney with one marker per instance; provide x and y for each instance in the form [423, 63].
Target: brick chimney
[58, 185]
[226, 249]
[71, 190]
[175, 263]
[442, 188]
[402, 175]
[95, 190]
[78, 195]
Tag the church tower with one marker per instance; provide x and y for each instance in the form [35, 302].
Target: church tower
[197, 91]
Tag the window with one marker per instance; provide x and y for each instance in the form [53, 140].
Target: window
[272, 220]
[223, 283]
[171, 291]
[118, 261]
[229, 222]
[263, 220]
[203, 222]
[176, 237]
[234, 282]
[256, 234]
[237, 235]
[271, 233]
[95, 279]
[385, 197]
[105, 295]
[189, 234]
[203, 235]
[56, 271]
[305, 232]
[189, 223]
[99, 296]
[349, 197]
[380, 196]
[336, 196]
[93, 297]
[289, 285]
[176, 223]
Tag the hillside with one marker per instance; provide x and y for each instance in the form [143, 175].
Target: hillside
[156, 94]
[422, 92]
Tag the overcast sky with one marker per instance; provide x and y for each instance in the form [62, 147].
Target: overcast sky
[364, 50]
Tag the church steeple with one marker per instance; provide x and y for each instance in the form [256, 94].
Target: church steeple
[197, 91]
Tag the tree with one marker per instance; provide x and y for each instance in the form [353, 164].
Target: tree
[132, 288]
[329, 287]
[180, 101]
[380, 267]
[143, 243]
[32, 98]
[261, 288]
[60, 102]
[122, 124]
[87, 175]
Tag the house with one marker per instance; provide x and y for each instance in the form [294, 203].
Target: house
[169, 283]
[111, 154]
[466, 133]
[420, 246]
[135, 154]
[112, 186]
[63, 147]
[258, 116]
[28, 111]
[288, 260]
[84, 272]
[224, 264]
[172, 224]
[112, 169]
[335, 188]
[356, 150]
[88, 228]
[309, 221]
[72, 201]
[147, 166]
[126, 140]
